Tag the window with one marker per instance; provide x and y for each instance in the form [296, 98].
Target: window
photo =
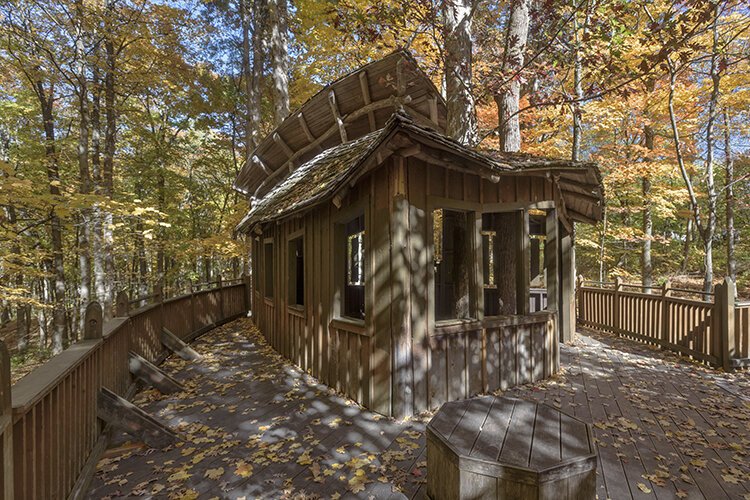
[354, 272]
[501, 233]
[268, 274]
[296, 272]
[537, 270]
[452, 247]
[256, 264]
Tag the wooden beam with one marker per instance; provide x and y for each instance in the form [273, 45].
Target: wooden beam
[383, 103]
[256, 159]
[127, 417]
[434, 111]
[408, 151]
[151, 375]
[177, 346]
[337, 115]
[305, 128]
[364, 84]
[285, 147]
[587, 198]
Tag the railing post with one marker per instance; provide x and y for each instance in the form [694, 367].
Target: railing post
[665, 293]
[122, 304]
[191, 289]
[6, 425]
[93, 322]
[221, 299]
[579, 301]
[616, 306]
[248, 292]
[724, 299]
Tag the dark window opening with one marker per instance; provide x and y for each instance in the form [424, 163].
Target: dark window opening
[268, 270]
[354, 275]
[256, 265]
[452, 248]
[537, 270]
[296, 272]
[501, 233]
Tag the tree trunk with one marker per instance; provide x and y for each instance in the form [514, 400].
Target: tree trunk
[110, 138]
[84, 176]
[461, 120]
[578, 83]
[648, 225]
[509, 131]
[710, 229]
[279, 41]
[729, 193]
[46, 103]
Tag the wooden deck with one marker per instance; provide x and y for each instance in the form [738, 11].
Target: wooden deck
[254, 426]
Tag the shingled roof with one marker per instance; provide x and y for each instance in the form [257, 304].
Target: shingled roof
[355, 105]
[321, 177]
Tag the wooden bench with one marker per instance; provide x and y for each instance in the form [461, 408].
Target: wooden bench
[498, 447]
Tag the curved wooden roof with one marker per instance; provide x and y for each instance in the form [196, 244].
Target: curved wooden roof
[351, 107]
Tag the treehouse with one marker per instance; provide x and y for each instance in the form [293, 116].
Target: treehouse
[399, 266]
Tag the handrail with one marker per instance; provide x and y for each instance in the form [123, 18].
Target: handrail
[57, 402]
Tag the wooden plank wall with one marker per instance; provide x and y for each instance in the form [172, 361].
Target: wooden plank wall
[396, 364]
[55, 426]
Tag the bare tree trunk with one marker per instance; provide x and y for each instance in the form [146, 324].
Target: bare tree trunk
[729, 193]
[279, 41]
[247, 75]
[686, 246]
[84, 176]
[507, 100]
[461, 120]
[578, 83]
[602, 241]
[110, 138]
[710, 229]
[46, 102]
[647, 277]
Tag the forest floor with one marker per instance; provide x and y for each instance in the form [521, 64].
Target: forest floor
[256, 426]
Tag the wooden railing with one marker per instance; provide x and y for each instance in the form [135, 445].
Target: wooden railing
[715, 331]
[50, 434]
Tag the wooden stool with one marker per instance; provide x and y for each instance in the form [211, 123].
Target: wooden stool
[498, 447]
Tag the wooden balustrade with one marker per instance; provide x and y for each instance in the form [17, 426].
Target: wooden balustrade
[716, 332]
[49, 431]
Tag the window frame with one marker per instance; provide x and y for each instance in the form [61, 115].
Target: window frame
[474, 256]
[291, 292]
[339, 220]
[269, 280]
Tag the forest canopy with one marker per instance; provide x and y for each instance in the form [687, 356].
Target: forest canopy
[123, 124]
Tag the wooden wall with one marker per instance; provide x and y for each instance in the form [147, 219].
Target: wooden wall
[398, 361]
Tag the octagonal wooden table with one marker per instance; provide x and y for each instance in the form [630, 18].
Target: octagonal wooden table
[499, 447]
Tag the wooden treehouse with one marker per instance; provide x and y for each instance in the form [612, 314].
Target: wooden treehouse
[397, 265]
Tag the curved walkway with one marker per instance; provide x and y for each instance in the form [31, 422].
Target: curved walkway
[255, 426]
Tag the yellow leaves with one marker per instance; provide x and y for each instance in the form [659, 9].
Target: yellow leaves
[243, 469]
[644, 488]
[179, 476]
[214, 473]
[304, 458]
[358, 481]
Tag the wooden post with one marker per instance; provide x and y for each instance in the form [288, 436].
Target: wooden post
[665, 323]
[724, 298]
[579, 299]
[616, 306]
[191, 290]
[6, 425]
[93, 322]
[158, 292]
[221, 299]
[122, 304]
[247, 279]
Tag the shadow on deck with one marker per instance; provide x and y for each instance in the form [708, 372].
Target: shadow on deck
[255, 426]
